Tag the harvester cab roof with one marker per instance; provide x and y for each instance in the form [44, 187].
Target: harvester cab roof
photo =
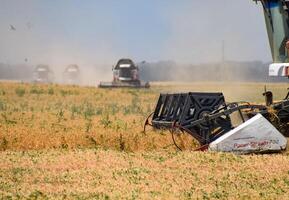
[125, 63]
[42, 68]
[72, 69]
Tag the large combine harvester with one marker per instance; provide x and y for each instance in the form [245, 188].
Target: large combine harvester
[210, 120]
[125, 74]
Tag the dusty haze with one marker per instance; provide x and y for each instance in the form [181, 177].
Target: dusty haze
[95, 34]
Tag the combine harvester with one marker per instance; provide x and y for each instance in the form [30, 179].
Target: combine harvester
[71, 75]
[125, 74]
[42, 74]
[209, 119]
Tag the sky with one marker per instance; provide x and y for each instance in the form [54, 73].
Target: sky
[101, 31]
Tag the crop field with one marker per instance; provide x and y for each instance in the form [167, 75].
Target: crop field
[72, 142]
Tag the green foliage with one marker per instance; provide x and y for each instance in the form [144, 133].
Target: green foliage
[7, 120]
[3, 144]
[120, 125]
[94, 196]
[51, 91]
[2, 92]
[92, 141]
[113, 108]
[24, 106]
[105, 121]
[88, 125]
[133, 92]
[64, 144]
[20, 91]
[134, 108]
[98, 111]
[68, 92]
[36, 90]
[2, 105]
[37, 195]
[121, 143]
[75, 109]
[60, 115]
[88, 111]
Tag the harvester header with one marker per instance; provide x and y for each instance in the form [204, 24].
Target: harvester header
[211, 121]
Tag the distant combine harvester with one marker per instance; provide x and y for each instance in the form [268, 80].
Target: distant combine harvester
[43, 74]
[71, 74]
[125, 74]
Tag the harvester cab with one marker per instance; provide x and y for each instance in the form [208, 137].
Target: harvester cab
[125, 74]
[71, 74]
[42, 74]
[277, 24]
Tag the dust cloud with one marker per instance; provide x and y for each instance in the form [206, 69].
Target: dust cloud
[205, 40]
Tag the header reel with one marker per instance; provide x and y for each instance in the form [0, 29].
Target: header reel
[206, 116]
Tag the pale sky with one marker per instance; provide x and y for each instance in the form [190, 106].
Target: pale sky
[101, 31]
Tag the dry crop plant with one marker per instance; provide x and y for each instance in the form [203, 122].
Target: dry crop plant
[54, 116]
[50, 135]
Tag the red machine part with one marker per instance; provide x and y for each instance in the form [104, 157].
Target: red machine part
[287, 71]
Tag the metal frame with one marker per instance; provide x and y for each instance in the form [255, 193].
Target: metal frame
[206, 116]
[183, 109]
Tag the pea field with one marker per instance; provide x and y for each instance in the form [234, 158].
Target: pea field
[80, 142]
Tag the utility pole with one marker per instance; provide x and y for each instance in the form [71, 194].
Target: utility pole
[223, 51]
